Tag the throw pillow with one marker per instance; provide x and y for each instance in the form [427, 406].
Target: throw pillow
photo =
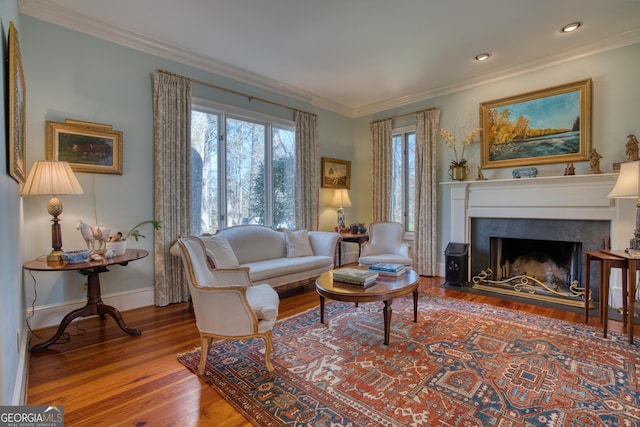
[220, 251]
[297, 243]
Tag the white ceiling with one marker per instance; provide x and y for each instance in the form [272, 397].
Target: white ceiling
[355, 57]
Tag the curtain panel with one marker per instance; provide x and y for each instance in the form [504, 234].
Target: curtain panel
[172, 181]
[381, 168]
[426, 215]
[307, 193]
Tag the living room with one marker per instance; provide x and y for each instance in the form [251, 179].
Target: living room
[71, 75]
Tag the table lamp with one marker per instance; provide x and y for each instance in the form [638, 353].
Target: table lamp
[628, 187]
[52, 178]
[340, 200]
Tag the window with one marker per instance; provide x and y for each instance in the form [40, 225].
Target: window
[403, 177]
[243, 169]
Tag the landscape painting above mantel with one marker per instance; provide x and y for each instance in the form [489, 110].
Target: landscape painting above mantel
[547, 126]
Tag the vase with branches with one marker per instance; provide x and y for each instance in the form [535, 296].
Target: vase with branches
[459, 169]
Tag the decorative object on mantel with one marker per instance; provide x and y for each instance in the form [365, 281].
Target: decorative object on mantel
[628, 187]
[459, 169]
[569, 170]
[480, 175]
[594, 161]
[529, 172]
[631, 148]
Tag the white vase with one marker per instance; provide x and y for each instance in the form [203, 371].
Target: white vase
[119, 247]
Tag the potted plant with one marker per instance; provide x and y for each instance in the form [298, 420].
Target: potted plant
[458, 169]
[118, 241]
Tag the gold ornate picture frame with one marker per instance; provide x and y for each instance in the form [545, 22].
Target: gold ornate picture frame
[336, 173]
[17, 110]
[88, 147]
[546, 126]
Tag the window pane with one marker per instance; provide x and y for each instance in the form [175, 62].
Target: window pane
[397, 179]
[245, 144]
[283, 143]
[204, 164]
[411, 182]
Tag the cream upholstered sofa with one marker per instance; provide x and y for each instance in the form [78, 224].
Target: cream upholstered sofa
[281, 258]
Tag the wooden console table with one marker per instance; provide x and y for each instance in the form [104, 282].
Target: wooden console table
[94, 305]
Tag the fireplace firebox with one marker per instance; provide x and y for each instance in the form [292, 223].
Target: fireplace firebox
[534, 258]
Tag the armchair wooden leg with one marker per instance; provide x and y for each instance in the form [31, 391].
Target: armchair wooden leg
[204, 352]
[267, 351]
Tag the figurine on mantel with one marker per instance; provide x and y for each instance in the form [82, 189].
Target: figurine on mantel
[594, 161]
[480, 175]
[569, 170]
[631, 149]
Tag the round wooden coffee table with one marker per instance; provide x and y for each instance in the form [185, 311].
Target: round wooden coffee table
[385, 289]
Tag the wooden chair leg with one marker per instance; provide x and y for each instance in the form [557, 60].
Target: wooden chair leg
[204, 352]
[267, 351]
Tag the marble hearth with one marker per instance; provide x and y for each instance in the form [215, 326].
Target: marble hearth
[570, 209]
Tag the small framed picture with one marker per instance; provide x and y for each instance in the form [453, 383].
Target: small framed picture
[336, 173]
[88, 147]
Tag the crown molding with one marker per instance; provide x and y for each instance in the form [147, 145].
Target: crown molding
[617, 41]
[46, 11]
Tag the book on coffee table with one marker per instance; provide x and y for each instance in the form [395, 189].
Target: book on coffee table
[388, 269]
[355, 276]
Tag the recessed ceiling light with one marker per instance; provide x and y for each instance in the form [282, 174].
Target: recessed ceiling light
[483, 56]
[571, 27]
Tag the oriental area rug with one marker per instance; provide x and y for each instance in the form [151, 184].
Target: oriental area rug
[461, 364]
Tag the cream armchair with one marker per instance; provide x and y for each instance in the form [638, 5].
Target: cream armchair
[385, 245]
[226, 304]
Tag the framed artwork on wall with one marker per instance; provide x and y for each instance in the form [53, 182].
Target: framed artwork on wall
[88, 147]
[17, 110]
[336, 173]
[547, 126]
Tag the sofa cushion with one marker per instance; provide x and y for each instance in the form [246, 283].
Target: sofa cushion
[263, 270]
[219, 251]
[297, 242]
[253, 243]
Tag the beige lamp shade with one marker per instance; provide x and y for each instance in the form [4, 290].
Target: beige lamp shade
[628, 183]
[628, 187]
[51, 177]
[340, 199]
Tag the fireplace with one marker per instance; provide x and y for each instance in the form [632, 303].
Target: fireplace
[573, 212]
[557, 263]
[535, 258]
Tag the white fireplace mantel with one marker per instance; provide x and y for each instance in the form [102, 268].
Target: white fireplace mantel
[582, 197]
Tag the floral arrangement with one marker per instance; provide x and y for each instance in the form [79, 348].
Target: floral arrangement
[458, 159]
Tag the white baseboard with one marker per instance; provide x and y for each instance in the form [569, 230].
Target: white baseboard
[51, 315]
[19, 396]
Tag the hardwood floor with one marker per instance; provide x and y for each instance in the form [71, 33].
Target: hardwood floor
[105, 377]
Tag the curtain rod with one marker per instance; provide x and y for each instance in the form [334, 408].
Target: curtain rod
[403, 115]
[235, 92]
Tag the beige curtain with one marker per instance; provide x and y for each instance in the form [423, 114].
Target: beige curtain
[381, 168]
[172, 152]
[425, 249]
[307, 179]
